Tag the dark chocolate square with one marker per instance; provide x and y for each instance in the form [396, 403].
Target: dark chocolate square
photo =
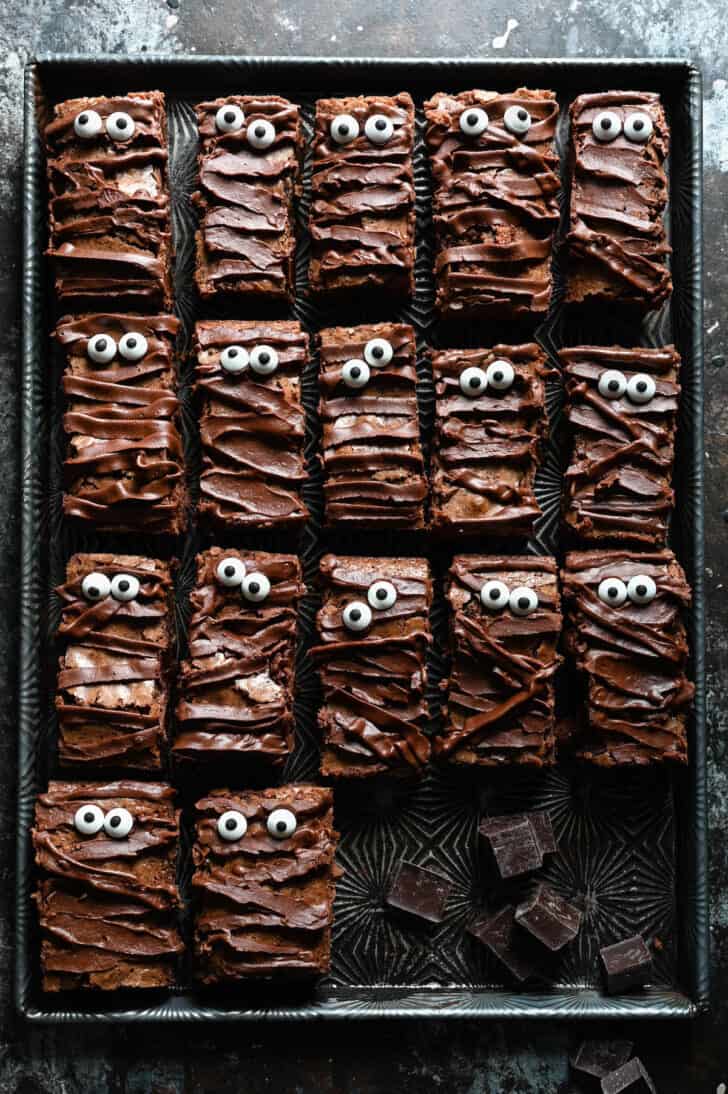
[549, 918]
[595, 1059]
[497, 933]
[626, 964]
[419, 892]
[631, 1078]
[513, 843]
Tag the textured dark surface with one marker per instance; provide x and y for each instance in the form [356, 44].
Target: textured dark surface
[463, 1057]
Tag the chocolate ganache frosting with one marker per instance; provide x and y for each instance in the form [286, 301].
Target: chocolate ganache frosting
[107, 899]
[374, 631]
[495, 201]
[109, 206]
[622, 408]
[505, 624]
[264, 882]
[628, 640]
[251, 422]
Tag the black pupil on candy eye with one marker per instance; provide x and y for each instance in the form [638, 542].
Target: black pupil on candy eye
[281, 826]
[638, 125]
[355, 372]
[101, 345]
[93, 592]
[613, 385]
[89, 818]
[229, 571]
[606, 123]
[494, 594]
[377, 352]
[121, 123]
[343, 129]
[124, 586]
[231, 824]
[232, 353]
[355, 615]
[115, 822]
[82, 121]
[254, 587]
[641, 590]
[523, 603]
[263, 358]
[612, 592]
[475, 381]
[522, 115]
[380, 124]
[498, 377]
[130, 343]
[230, 117]
[472, 119]
[260, 130]
[381, 594]
[642, 386]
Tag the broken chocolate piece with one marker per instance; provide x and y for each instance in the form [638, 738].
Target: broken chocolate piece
[513, 843]
[549, 918]
[419, 892]
[629, 1079]
[496, 933]
[626, 964]
[543, 829]
[595, 1059]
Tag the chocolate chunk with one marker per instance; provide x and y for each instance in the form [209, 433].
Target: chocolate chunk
[631, 1078]
[496, 932]
[513, 843]
[549, 918]
[419, 892]
[541, 824]
[626, 964]
[595, 1059]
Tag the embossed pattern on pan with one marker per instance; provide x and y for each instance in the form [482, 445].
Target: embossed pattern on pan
[634, 849]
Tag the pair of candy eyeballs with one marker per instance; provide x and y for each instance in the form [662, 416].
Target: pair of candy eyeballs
[232, 825]
[89, 820]
[120, 126]
[260, 133]
[639, 389]
[381, 595]
[378, 353]
[121, 586]
[262, 360]
[640, 589]
[499, 376]
[102, 348]
[254, 586]
[378, 129]
[495, 596]
[475, 121]
[607, 126]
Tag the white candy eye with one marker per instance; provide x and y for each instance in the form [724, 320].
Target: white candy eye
[638, 127]
[517, 120]
[281, 824]
[230, 572]
[133, 346]
[229, 119]
[89, 820]
[612, 384]
[234, 359]
[473, 121]
[344, 129]
[378, 129]
[382, 595]
[606, 126]
[124, 587]
[95, 586]
[118, 823]
[231, 826]
[612, 591]
[473, 381]
[500, 375]
[494, 595]
[87, 125]
[101, 349]
[378, 352]
[357, 616]
[263, 360]
[255, 587]
[641, 589]
[120, 126]
[355, 373]
[641, 388]
[523, 600]
[261, 134]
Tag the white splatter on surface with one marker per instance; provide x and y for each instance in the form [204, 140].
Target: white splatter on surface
[500, 41]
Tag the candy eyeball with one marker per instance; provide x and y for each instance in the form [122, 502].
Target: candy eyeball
[517, 120]
[124, 587]
[230, 572]
[641, 589]
[355, 373]
[101, 349]
[344, 129]
[261, 134]
[95, 586]
[606, 126]
[133, 346]
[378, 352]
[500, 375]
[638, 127]
[89, 820]
[255, 587]
[357, 616]
[234, 359]
[523, 600]
[229, 119]
[118, 823]
[494, 595]
[263, 360]
[120, 126]
[612, 384]
[281, 824]
[378, 129]
[473, 381]
[87, 125]
[382, 595]
[473, 121]
[231, 826]
[641, 388]
[612, 591]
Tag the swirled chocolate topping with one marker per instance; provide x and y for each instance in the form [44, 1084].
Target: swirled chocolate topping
[505, 625]
[111, 696]
[487, 439]
[373, 464]
[109, 206]
[362, 220]
[618, 482]
[495, 201]
[248, 175]
[627, 638]
[107, 899]
[251, 422]
[264, 879]
[373, 675]
[236, 687]
[616, 236]
[124, 468]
